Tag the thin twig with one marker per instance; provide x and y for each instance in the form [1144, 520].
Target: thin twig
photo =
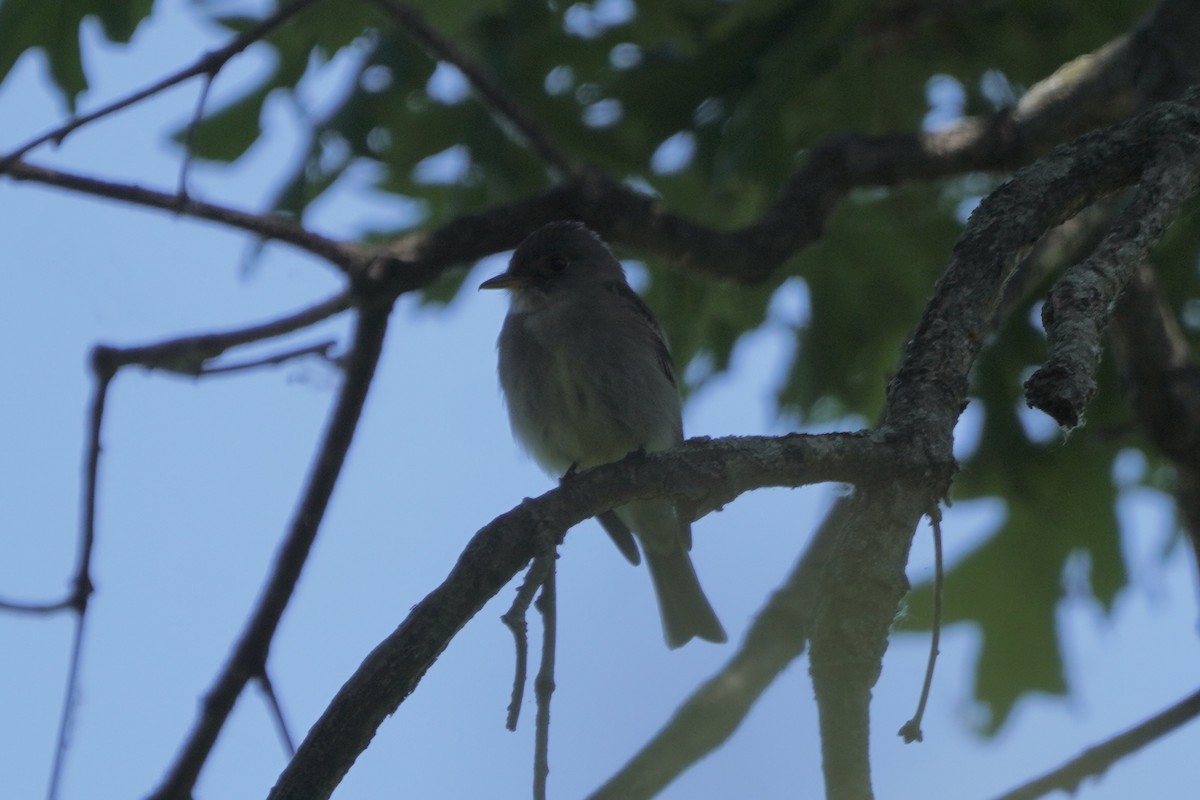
[320, 349]
[249, 655]
[25, 607]
[209, 64]
[500, 104]
[911, 730]
[543, 684]
[189, 355]
[190, 142]
[347, 258]
[285, 735]
[103, 373]
[1098, 758]
[70, 695]
[514, 620]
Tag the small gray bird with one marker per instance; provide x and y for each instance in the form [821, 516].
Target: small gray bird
[588, 379]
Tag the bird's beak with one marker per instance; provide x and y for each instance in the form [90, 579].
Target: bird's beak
[505, 280]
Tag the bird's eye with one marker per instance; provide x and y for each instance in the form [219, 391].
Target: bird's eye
[558, 263]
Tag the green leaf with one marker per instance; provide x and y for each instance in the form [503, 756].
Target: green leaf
[872, 271]
[226, 135]
[53, 28]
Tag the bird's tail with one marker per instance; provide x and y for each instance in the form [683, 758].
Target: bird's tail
[685, 610]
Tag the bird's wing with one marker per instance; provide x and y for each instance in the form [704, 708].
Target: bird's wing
[629, 296]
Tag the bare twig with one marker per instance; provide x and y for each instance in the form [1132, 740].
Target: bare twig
[58, 768]
[209, 65]
[285, 735]
[514, 620]
[248, 659]
[102, 373]
[189, 355]
[27, 607]
[319, 349]
[543, 684]
[190, 142]
[499, 103]
[347, 258]
[1098, 758]
[911, 730]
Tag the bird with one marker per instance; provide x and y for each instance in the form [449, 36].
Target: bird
[588, 378]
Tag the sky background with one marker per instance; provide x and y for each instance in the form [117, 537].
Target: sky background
[199, 479]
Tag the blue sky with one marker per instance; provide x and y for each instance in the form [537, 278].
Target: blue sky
[199, 479]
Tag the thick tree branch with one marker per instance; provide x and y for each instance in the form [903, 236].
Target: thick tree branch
[249, 656]
[1099, 88]
[715, 710]
[861, 589]
[865, 579]
[1076, 314]
[1161, 378]
[1093, 90]
[702, 472]
[1002, 229]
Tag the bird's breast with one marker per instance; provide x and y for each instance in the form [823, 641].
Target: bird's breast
[564, 395]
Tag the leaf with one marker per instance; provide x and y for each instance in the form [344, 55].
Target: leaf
[872, 271]
[54, 28]
[225, 135]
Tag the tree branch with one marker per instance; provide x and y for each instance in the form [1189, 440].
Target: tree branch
[347, 258]
[865, 578]
[543, 684]
[1076, 314]
[1087, 92]
[81, 590]
[1098, 758]
[189, 355]
[706, 473]
[209, 64]
[1093, 90]
[249, 656]
[500, 104]
[714, 711]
